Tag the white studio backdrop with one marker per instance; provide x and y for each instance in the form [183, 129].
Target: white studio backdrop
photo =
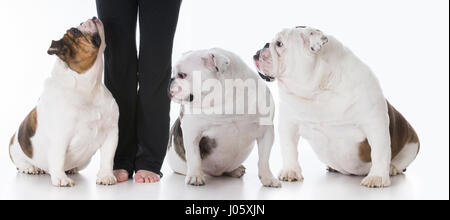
[405, 42]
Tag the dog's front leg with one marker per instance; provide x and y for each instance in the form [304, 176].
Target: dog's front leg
[265, 143]
[105, 175]
[378, 136]
[289, 138]
[194, 175]
[56, 162]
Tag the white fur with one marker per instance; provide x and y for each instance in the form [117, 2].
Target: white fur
[332, 99]
[235, 135]
[76, 116]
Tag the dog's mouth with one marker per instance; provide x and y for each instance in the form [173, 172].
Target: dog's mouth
[173, 94]
[257, 55]
[92, 27]
[256, 58]
[188, 99]
[266, 78]
[96, 40]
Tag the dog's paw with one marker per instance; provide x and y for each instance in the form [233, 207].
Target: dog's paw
[376, 181]
[393, 171]
[331, 170]
[106, 179]
[31, 170]
[196, 180]
[270, 182]
[72, 171]
[291, 175]
[237, 173]
[62, 181]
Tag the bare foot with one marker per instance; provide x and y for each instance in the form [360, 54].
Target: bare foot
[121, 175]
[144, 176]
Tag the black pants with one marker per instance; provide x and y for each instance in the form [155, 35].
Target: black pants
[144, 113]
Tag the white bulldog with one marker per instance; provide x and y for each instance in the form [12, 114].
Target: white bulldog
[211, 136]
[76, 114]
[332, 99]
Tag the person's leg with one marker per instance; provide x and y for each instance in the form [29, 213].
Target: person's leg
[158, 20]
[119, 18]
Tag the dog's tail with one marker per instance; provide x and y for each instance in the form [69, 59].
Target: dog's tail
[175, 133]
[172, 131]
[176, 139]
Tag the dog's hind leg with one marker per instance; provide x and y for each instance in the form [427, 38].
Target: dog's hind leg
[77, 170]
[404, 159]
[23, 166]
[31, 170]
[20, 160]
[237, 173]
[72, 171]
[331, 170]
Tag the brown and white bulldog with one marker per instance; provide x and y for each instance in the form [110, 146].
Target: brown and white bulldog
[75, 116]
[331, 98]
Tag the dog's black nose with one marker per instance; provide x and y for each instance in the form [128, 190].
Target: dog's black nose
[168, 87]
[256, 57]
[267, 46]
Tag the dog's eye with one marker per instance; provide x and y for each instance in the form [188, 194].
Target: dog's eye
[280, 44]
[76, 32]
[182, 75]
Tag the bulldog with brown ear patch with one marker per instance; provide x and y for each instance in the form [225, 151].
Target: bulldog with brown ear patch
[76, 114]
[331, 98]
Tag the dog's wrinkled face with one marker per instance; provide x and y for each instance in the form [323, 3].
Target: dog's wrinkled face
[194, 69]
[283, 53]
[80, 46]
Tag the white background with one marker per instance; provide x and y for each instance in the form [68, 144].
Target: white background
[404, 41]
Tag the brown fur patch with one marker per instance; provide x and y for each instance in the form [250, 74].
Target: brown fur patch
[364, 152]
[206, 144]
[11, 142]
[401, 133]
[26, 131]
[78, 50]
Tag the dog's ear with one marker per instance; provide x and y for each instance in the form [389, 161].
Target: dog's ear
[216, 62]
[314, 40]
[56, 48]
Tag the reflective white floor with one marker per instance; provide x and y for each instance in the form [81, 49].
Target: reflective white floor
[419, 182]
